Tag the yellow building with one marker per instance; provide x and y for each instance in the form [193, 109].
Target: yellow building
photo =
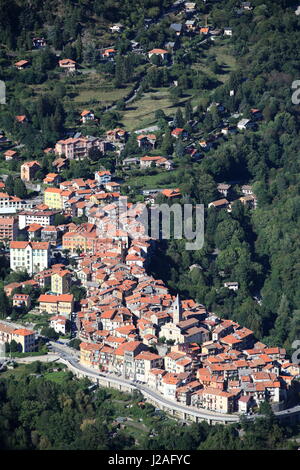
[90, 354]
[26, 338]
[53, 198]
[57, 304]
[214, 399]
[61, 282]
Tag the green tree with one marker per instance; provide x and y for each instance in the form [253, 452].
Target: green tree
[20, 189]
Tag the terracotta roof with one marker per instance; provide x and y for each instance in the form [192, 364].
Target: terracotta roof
[23, 332]
[158, 51]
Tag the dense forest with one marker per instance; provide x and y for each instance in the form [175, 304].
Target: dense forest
[258, 249]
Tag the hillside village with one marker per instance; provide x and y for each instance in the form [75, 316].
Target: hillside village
[126, 314]
[72, 271]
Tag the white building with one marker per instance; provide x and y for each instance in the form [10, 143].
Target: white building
[13, 202]
[227, 32]
[103, 177]
[244, 124]
[231, 285]
[43, 218]
[32, 257]
[59, 324]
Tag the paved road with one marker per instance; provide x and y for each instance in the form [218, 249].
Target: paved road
[71, 358]
[45, 358]
[68, 355]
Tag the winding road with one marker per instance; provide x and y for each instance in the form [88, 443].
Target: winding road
[71, 359]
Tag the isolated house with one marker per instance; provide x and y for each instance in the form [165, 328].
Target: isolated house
[21, 118]
[109, 53]
[204, 30]
[223, 188]
[190, 7]
[29, 169]
[147, 162]
[246, 6]
[68, 64]
[231, 285]
[244, 124]
[205, 145]
[177, 27]
[219, 107]
[22, 64]
[229, 130]
[10, 155]
[256, 114]
[250, 201]
[227, 32]
[171, 193]
[116, 28]
[190, 25]
[39, 42]
[146, 140]
[163, 53]
[87, 115]
[219, 204]
[179, 132]
[116, 135]
[247, 190]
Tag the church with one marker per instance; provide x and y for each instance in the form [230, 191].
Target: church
[182, 330]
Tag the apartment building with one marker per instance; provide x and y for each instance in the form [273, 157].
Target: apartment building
[53, 198]
[21, 300]
[78, 148]
[29, 169]
[103, 177]
[214, 399]
[56, 304]
[90, 354]
[29, 256]
[61, 282]
[85, 241]
[8, 229]
[144, 362]
[24, 337]
[14, 203]
[43, 218]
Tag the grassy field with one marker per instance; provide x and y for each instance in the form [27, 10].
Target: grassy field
[141, 113]
[17, 372]
[224, 58]
[93, 91]
[57, 377]
[88, 89]
[24, 369]
[137, 430]
[221, 51]
[161, 180]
